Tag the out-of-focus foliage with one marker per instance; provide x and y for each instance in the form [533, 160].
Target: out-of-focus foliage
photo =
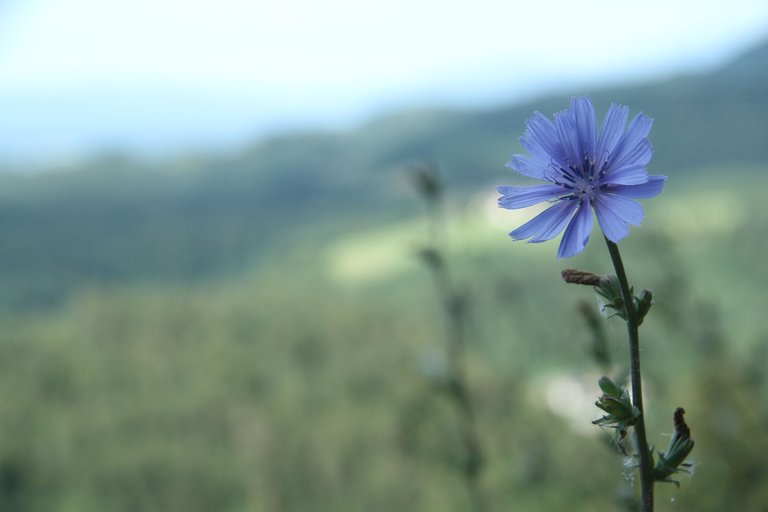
[256, 334]
[306, 386]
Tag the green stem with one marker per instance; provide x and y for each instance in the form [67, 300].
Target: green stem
[646, 465]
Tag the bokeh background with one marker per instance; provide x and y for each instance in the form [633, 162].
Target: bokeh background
[211, 295]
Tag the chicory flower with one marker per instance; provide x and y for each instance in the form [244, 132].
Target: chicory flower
[586, 169]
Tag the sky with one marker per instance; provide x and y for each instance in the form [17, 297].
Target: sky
[160, 75]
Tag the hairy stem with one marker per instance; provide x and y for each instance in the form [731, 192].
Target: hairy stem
[646, 465]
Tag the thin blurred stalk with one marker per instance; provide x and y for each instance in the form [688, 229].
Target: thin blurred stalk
[454, 303]
[600, 352]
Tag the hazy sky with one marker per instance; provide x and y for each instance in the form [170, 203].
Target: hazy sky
[282, 63]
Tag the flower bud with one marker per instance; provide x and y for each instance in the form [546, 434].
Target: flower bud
[643, 304]
[431, 258]
[680, 446]
[426, 181]
[615, 402]
[575, 276]
[610, 290]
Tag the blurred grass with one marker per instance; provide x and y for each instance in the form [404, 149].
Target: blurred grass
[307, 383]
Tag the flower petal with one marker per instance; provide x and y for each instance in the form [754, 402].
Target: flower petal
[626, 209]
[558, 223]
[540, 138]
[612, 130]
[613, 227]
[546, 225]
[651, 188]
[639, 155]
[529, 166]
[577, 233]
[586, 126]
[521, 197]
[629, 175]
[637, 130]
[568, 136]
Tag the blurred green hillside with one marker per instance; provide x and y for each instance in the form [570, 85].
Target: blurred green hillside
[255, 332]
[117, 221]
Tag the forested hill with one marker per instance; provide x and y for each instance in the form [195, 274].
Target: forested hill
[700, 120]
[117, 221]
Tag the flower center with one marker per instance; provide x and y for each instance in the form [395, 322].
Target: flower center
[584, 187]
[582, 180]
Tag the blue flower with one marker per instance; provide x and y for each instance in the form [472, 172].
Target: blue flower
[586, 169]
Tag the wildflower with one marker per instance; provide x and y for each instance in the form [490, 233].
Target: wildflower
[585, 169]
